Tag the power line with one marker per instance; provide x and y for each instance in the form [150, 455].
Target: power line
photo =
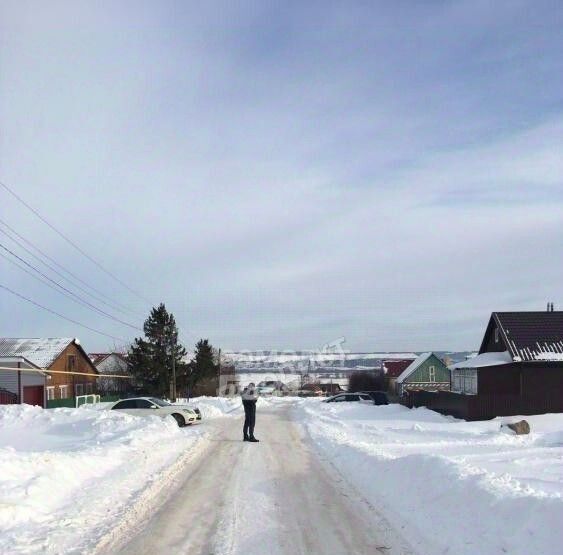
[113, 305]
[60, 315]
[65, 290]
[73, 244]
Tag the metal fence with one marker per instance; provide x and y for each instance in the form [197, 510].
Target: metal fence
[8, 398]
[484, 407]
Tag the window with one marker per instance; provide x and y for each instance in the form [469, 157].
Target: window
[63, 390]
[128, 404]
[465, 381]
[79, 389]
[50, 392]
[456, 381]
[89, 388]
[352, 397]
[432, 373]
[144, 404]
[160, 402]
[70, 363]
[339, 399]
[496, 335]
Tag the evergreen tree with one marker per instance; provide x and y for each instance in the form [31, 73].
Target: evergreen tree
[204, 365]
[152, 357]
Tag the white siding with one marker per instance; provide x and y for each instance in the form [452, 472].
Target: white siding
[9, 379]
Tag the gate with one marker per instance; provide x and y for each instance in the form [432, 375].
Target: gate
[34, 395]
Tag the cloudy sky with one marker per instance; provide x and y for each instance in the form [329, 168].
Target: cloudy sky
[284, 174]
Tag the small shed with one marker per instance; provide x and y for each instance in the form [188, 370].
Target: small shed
[24, 380]
[427, 373]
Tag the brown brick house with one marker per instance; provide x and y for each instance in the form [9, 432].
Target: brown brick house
[69, 370]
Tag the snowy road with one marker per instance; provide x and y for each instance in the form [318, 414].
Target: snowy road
[275, 497]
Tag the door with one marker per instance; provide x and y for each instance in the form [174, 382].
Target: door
[33, 395]
[146, 408]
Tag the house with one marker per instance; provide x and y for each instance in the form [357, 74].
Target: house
[427, 373]
[519, 368]
[111, 363]
[392, 369]
[26, 383]
[69, 371]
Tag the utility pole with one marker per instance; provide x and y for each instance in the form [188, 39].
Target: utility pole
[219, 384]
[173, 381]
[174, 373]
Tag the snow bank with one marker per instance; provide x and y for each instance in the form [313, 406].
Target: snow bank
[449, 485]
[67, 474]
[215, 407]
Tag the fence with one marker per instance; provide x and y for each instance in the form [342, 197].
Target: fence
[484, 407]
[71, 401]
[7, 397]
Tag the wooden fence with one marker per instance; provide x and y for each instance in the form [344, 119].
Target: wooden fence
[484, 407]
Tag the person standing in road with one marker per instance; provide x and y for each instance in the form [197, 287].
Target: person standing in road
[249, 398]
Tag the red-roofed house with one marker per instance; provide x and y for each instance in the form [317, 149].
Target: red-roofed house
[392, 369]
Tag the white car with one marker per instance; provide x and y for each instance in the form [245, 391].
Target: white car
[152, 406]
[270, 387]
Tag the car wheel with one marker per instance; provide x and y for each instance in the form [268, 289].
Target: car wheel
[180, 420]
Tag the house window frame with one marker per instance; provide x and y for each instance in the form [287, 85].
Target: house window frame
[50, 391]
[63, 391]
[497, 335]
[80, 391]
[432, 374]
[465, 381]
[70, 362]
[89, 388]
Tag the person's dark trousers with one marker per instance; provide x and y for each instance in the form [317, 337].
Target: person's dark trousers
[249, 418]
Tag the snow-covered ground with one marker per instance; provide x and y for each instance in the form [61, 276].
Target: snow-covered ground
[66, 475]
[449, 486]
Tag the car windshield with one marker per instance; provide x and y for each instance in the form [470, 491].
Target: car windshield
[159, 402]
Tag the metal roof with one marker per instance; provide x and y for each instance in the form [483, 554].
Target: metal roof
[394, 368]
[40, 351]
[484, 359]
[530, 336]
[413, 366]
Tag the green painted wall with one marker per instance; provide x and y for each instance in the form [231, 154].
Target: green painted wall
[71, 402]
[421, 374]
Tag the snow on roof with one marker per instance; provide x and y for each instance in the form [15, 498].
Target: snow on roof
[15, 360]
[413, 366]
[529, 335]
[549, 355]
[41, 352]
[484, 359]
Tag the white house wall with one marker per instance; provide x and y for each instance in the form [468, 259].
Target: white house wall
[9, 379]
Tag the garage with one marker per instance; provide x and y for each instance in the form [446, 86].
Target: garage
[34, 395]
[22, 379]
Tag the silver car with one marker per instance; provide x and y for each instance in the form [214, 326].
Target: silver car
[152, 406]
